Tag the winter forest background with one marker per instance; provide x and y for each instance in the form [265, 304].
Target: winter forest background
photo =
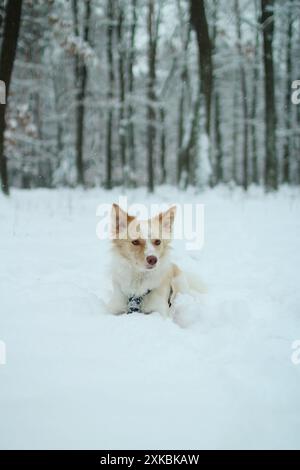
[146, 92]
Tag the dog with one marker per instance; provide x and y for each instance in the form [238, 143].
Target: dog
[144, 279]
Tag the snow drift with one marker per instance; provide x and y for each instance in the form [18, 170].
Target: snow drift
[219, 376]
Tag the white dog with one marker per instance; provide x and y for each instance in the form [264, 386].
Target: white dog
[143, 275]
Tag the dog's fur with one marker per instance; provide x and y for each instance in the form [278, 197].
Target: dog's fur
[134, 243]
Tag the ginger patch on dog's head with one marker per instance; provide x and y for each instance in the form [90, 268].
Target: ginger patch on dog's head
[163, 224]
[120, 222]
[143, 243]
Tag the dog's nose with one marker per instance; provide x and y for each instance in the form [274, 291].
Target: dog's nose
[152, 260]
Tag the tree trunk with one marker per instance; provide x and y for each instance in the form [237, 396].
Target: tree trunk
[2, 10]
[151, 95]
[219, 177]
[60, 129]
[288, 103]
[189, 149]
[185, 33]
[122, 131]
[200, 25]
[219, 171]
[267, 21]
[110, 93]
[7, 57]
[202, 114]
[297, 124]
[255, 176]
[162, 116]
[81, 81]
[180, 127]
[244, 92]
[298, 141]
[131, 62]
[235, 130]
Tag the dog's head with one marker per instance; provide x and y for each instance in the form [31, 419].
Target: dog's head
[144, 243]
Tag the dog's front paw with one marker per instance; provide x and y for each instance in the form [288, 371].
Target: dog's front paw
[115, 309]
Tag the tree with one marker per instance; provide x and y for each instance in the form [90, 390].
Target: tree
[152, 27]
[288, 103]
[219, 170]
[202, 108]
[81, 75]
[253, 113]
[122, 89]
[2, 9]
[235, 127]
[297, 140]
[200, 25]
[162, 117]
[182, 163]
[130, 110]
[267, 22]
[244, 92]
[110, 93]
[12, 20]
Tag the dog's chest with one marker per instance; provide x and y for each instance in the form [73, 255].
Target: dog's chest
[137, 283]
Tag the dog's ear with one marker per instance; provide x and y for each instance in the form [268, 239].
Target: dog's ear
[166, 221]
[120, 220]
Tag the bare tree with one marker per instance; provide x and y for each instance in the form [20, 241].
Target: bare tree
[12, 22]
[244, 92]
[297, 140]
[130, 111]
[153, 19]
[182, 153]
[267, 22]
[110, 93]
[162, 117]
[235, 128]
[122, 89]
[219, 170]
[202, 109]
[81, 82]
[253, 113]
[288, 103]
[2, 9]
[200, 24]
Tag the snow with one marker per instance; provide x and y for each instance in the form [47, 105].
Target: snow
[219, 376]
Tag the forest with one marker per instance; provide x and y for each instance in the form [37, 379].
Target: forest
[129, 93]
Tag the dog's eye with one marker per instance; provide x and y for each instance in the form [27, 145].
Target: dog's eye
[135, 242]
[157, 242]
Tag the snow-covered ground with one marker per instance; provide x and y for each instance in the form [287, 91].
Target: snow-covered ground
[221, 376]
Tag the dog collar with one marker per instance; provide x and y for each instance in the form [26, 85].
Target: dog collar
[134, 303]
